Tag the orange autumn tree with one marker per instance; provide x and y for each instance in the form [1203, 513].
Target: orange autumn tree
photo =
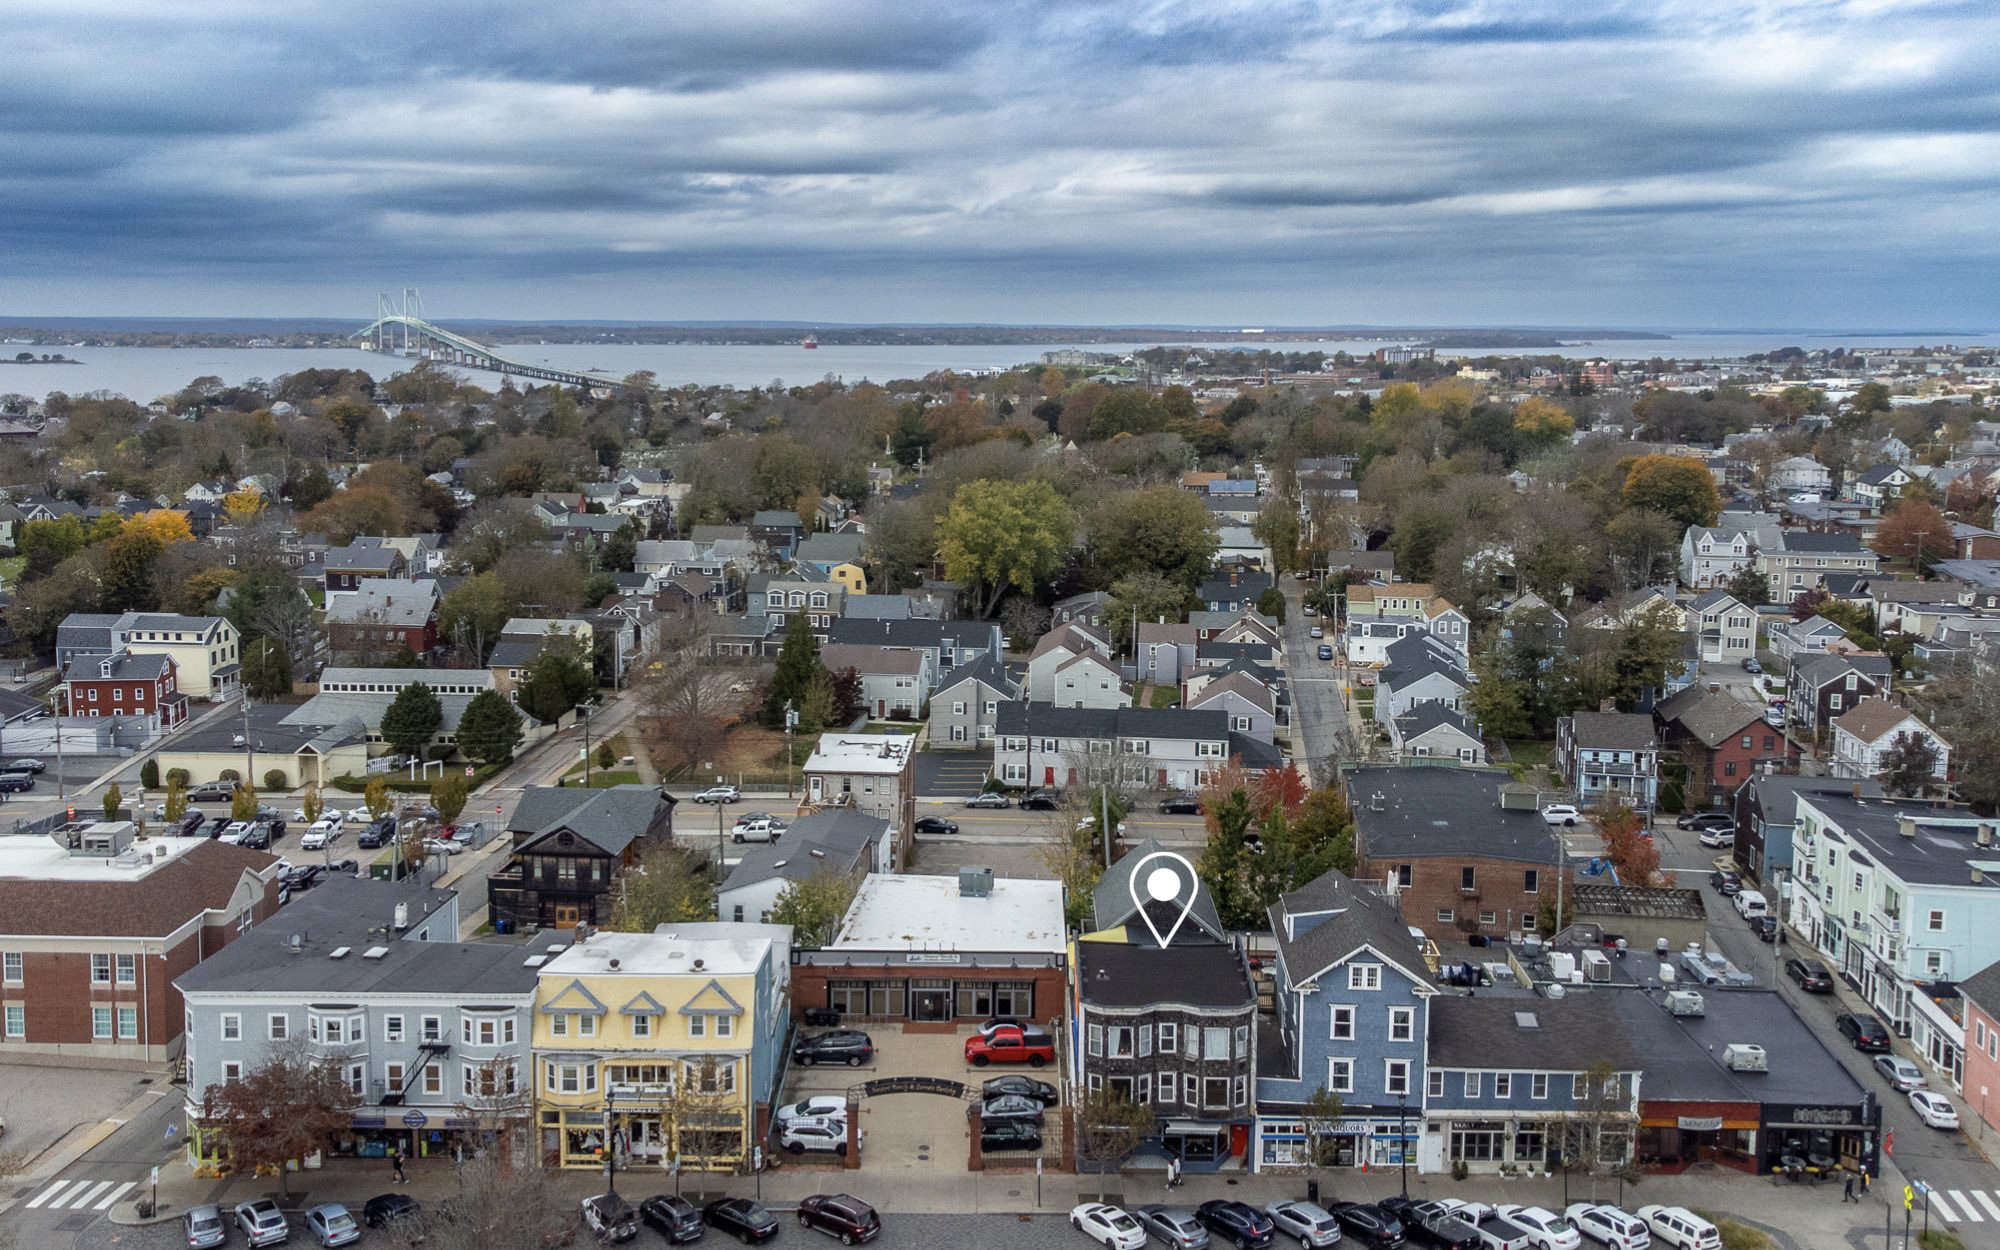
[164, 524]
[1627, 845]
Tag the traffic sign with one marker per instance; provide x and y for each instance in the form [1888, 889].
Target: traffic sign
[1922, 1188]
[1909, 1197]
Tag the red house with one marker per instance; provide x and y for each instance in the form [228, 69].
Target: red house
[1980, 1081]
[1723, 739]
[123, 684]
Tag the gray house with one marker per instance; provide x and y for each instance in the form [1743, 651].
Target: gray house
[1419, 669]
[431, 1034]
[835, 840]
[966, 708]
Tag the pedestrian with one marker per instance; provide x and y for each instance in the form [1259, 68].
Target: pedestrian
[1173, 1173]
[1847, 1189]
[1864, 1180]
[396, 1163]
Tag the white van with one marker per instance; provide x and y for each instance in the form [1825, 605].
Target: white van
[1680, 1227]
[1751, 904]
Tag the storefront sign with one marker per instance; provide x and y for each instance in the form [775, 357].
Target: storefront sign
[1814, 1116]
[1700, 1123]
[914, 1085]
[415, 1119]
[368, 1121]
[923, 957]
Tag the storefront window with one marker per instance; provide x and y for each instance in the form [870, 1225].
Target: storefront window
[975, 998]
[1014, 998]
[1529, 1143]
[886, 998]
[930, 998]
[849, 998]
[1478, 1141]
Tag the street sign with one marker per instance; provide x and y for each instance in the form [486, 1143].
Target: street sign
[1922, 1188]
[156, 1178]
[1909, 1197]
[468, 770]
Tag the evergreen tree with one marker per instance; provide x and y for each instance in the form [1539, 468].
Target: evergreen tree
[412, 719]
[557, 681]
[267, 671]
[1221, 866]
[489, 729]
[798, 671]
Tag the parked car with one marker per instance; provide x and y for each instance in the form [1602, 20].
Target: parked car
[823, 1136]
[1609, 1226]
[1864, 1032]
[1368, 1224]
[1010, 1045]
[848, 1046]
[321, 833]
[1182, 804]
[1774, 717]
[1011, 1107]
[1546, 1229]
[212, 792]
[1041, 801]
[262, 1223]
[1239, 1222]
[1751, 904]
[1717, 838]
[1810, 974]
[356, 816]
[719, 794]
[1175, 1227]
[257, 838]
[749, 1222]
[387, 1210]
[1020, 1086]
[818, 1107]
[26, 766]
[16, 783]
[202, 1227]
[1496, 1232]
[1432, 1224]
[1107, 1225]
[1703, 820]
[1680, 1227]
[332, 1225]
[672, 1217]
[1903, 1075]
[991, 798]
[1310, 1223]
[233, 831]
[378, 834]
[987, 1028]
[1325, 651]
[1765, 927]
[1316, 632]
[935, 824]
[1933, 1109]
[1009, 1135]
[840, 1215]
[764, 829]
[1561, 814]
[1725, 883]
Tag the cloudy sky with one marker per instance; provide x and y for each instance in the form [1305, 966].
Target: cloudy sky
[1794, 164]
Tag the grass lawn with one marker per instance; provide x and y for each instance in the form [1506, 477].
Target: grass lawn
[1166, 696]
[1530, 752]
[619, 750]
[10, 569]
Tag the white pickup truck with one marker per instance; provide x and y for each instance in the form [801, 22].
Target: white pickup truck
[1495, 1231]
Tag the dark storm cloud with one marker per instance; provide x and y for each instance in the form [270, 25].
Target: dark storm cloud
[1362, 160]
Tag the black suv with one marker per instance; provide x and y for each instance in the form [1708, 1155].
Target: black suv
[1810, 974]
[1432, 1225]
[1009, 1135]
[1726, 884]
[846, 1046]
[14, 783]
[377, 834]
[1368, 1224]
[1040, 801]
[1704, 820]
[840, 1215]
[1239, 1222]
[1181, 805]
[672, 1217]
[1866, 1032]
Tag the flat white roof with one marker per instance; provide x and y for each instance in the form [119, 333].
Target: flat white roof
[862, 753]
[38, 858]
[903, 912]
[722, 949]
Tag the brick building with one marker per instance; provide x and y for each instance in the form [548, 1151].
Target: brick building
[123, 684]
[1469, 853]
[1723, 741]
[1980, 1080]
[95, 924]
[382, 616]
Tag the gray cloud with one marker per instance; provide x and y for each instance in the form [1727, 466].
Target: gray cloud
[1383, 161]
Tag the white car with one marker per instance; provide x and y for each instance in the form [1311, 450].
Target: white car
[818, 1107]
[1312, 1224]
[765, 830]
[1609, 1226]
[319, 836]
[1561, 814]
[1317, 632]
[440, 846]
[826, 1136]
[1108, 1225]
[1680, 1227]
[300, 816]
[1717, 837]
[354, 816]
[1546, 1229]
[1934, 1109]
[234, 831]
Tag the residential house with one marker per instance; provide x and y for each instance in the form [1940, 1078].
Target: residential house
[1040, 744]
[1370, 628]
[1724, 628]
[122, 684]
[948, 643]
[1084, 609]
[1469, 853]
[1816, 635]
[1088, 680]
[1899, 896]
[1166, 652]
[780, 596]
[1881, 485]
[838, 556]
[1800, 557]
[1610, 758]
[568, 848]
[95, 927]
[870, 773]
[673, 1040]
[345, 568]
[834, 842]
[204, 649]
[1233, 589]
[965, 711]
[1432, 731]
[893, 683]
[369, 625]
[780, 532]
[1419, 669]
[430, 1034]
[1237, 626]
[1980, 1029]
[1250, 705]
[1722, 742]
[1766, 812]
[1352, 998]
[1167, 1012]
[1712, 555]
[522, 641]
[1821, 687]
[1802, 474]
[1913, 607]
[423, 554]
[1865, 733]
[1056, 649]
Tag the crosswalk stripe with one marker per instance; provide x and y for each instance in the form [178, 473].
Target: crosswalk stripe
[84, 1200]
[1972, 1216]
[104, 1203]
[47, 1194]
[70, 1191]
[1942, 1207]
[1986, 1202]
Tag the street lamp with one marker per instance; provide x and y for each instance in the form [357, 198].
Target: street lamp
[610, 1148]
[1403, 1140]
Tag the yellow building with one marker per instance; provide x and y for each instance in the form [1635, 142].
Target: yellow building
[666, 1044]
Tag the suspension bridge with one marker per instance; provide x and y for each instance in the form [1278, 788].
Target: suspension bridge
[400, 330]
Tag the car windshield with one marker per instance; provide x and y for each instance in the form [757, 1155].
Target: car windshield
[758, 1217]
[204, 1221]
[1123, 1223]
[339, 1222]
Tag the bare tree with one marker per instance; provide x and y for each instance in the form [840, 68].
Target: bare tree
[497, 1205]
[1107, 1128]
[1597, 1137]
[501, 1100]
[691, 702]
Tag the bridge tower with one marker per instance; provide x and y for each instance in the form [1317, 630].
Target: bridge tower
[413, 309]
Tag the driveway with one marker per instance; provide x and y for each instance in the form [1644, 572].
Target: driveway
[952, 774]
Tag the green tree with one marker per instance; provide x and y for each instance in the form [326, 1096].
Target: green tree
[814, 906]
[1143, 597]
[606, 757]
[798, 669]
[1106, 1127]
[1680, 486]
[621, 550]
[412, 719]
[177, 800]
[243, 801]
[555, 682]
[46, 544]
[996, 535]
[112, 798]
[1908, 765]
[448, 795]
[1127, 410]
[1278, 528]
[1647, 647]
[375, 796]
[312, 804]
[267, 670]
[1162, 529]
[1222, 866]
[129, 563]
[1749, 587]
[1271, 602]
[489, 729]
[1322, 1114]
[669, 885]
[472, 613]
[149, 774]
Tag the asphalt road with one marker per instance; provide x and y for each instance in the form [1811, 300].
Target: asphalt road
[1319, 709]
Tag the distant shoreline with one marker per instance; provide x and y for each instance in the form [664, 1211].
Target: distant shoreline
[66, 360]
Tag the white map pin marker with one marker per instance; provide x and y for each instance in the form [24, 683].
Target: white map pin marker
[1163, 885]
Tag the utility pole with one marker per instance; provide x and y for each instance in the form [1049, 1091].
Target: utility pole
[249, 754]
[586, 746]
[791, 761]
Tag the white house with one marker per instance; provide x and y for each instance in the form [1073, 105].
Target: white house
[1724, 628]
[1058, 647]
[1803, 474]
[1710, 556]
[1089, 680]
[1866, 732]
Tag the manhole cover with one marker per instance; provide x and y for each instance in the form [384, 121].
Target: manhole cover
[1013, 1193]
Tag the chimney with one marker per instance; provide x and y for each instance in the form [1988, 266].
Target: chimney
[1377, 801]
[1855, 790]
[1607, 705]
[1906, 825]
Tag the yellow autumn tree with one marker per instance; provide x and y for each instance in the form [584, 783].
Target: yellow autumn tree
[241, 506]
[162, 523]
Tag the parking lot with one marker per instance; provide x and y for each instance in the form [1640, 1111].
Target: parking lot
[920, 1134]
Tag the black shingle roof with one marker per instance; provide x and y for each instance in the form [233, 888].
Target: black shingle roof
[1443, 813]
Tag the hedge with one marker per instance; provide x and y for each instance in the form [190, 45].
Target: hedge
[403, 785]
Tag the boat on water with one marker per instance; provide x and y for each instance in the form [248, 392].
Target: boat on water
[809, 343]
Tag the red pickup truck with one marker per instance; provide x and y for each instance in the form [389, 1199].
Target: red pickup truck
[1010, 1045]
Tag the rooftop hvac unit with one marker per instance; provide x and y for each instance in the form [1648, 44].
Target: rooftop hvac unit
[1555, 989]
[1744, 1057]
[1561, 965]
[1685, 1003]
[1596, 966]
[975, 882]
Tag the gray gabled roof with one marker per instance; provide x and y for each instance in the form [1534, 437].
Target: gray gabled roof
[610, 819]
[841, 836]
[987, 671]
[1537, 1034]
[1112, 904]
[1613, 731]
[1425, 717]
[1330, 918]
[911, 632]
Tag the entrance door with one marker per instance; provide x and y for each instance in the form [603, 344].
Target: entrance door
[930, 1004]
[567, 915]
